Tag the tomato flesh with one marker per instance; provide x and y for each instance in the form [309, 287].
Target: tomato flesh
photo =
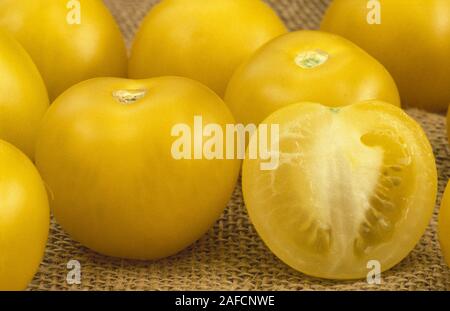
[354, 184]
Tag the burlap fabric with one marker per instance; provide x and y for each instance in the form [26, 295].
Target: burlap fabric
[231, 256]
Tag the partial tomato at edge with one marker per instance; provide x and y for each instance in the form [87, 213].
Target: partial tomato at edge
[66, 50]
[24, 219]
[412, 41]
[23, 96]
[444, 224]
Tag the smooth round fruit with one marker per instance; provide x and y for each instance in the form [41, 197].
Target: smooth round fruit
[24, 219]
[70, 41]
[444, 224]
[105, 152]
[23, 97]
[353, 184]
[412, 41]
[202, 40]
[448, 125]
[307, 66]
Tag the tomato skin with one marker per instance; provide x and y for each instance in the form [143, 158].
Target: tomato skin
[23, 96]
[444, 225]
[196, 39]
[412, 41]
[64, 53]
[117, 188]
[329, 174]
[448, 125]
[272, 79]
[24, 218]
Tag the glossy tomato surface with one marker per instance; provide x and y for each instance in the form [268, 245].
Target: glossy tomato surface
[24, 219]
[353, 185]
[307, 66]
[412, 41]
[23, 97]
[105, 151]
[70, 41]
[448, 126]
[202, 40]
[444, 225]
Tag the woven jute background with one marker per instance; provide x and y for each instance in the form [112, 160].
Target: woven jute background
[231, 256]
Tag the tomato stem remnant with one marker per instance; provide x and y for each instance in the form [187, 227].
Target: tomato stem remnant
[128, 97]
[311, 59]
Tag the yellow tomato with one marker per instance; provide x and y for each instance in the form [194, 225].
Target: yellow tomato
[24, 219]
[448, 125]
[23, 97]
[202, 40]
[105, 152]
[411, 38]
[307, 66]
[444, 224]
[69, 40]
[353, 185]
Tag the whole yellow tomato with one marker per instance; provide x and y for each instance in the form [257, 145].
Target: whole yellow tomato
[106, 152]
[444, 224]
[69, 40]
[355, 188]
[201, 40]
[24, 219]
[307, 66]
[411, 38]
[23, 97]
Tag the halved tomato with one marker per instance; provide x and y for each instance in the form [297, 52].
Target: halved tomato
[354, 184]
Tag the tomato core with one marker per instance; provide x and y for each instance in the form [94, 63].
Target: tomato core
[128, 97]
[311, 59]
[335, 110]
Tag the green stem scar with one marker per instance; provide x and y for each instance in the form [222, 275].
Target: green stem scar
[311, 59]
[128, 97]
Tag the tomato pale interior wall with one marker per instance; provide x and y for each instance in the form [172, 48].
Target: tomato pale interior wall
[354, 184]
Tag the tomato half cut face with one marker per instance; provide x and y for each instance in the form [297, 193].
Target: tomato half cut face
[353, 184]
